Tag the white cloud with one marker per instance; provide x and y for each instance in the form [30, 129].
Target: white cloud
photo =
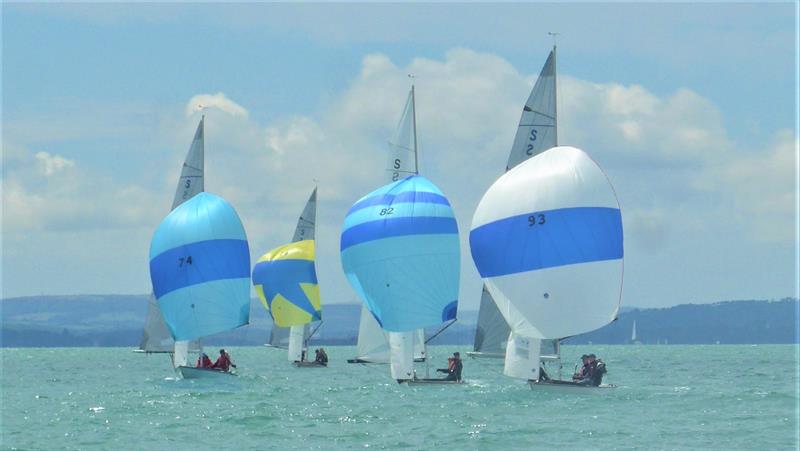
[218, 101]
[669, 157]
[51, 164]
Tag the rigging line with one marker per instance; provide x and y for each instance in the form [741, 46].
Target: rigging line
[314, 331]
[441, 330]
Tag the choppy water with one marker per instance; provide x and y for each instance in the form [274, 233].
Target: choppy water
[669, 397]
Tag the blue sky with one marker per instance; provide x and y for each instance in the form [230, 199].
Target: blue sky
[690, 108]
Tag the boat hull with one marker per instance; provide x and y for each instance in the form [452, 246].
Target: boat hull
[430, 382]
[560, 386]
[309, 365]
[188, 372]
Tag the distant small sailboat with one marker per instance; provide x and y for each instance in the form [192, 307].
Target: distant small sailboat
[547, 240]
[285, 279]
[633, 334]
[372, 345]
[537, 131]
[156, 337]
[400, 252]
[200, 270]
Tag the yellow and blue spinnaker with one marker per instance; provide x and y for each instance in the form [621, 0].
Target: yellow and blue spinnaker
[286, 282]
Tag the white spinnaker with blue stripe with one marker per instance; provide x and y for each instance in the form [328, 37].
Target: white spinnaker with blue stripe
[547, 240]
[200, 268]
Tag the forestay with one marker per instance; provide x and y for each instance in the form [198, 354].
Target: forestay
[547, 240]
[200, 268]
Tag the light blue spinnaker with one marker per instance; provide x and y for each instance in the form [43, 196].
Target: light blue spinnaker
[400, 252]
[200, 268]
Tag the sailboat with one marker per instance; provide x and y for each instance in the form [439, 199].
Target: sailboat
[537, 132]
[200, 270]
[285, 279]
[156, 337]
[633, 334]
[372, 345]
[547, 240]
[400, 252]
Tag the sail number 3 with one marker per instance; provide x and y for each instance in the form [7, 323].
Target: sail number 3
[536, 219]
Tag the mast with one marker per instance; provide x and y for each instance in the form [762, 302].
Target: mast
[414, 121]
[555, 90]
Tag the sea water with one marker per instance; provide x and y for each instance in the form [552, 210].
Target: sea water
[668, 397]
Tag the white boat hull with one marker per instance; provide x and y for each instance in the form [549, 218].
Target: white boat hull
[431, 382]
[188, 372]
[558, 386]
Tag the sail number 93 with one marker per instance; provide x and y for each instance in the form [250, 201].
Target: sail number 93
[536, 219]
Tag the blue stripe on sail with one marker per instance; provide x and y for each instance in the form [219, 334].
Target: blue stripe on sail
[403, 210]
[207, 308]
[284, 277]
[386, 228]
[566, 236]
[210, 260]
[404, 197]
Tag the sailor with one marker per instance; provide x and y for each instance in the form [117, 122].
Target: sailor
[598, 370]
[583, 376]
[204, 362]
[224, 362]
[454, 367]
[322, 357]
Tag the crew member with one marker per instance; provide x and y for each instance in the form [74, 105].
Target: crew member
[204, 362]
[224, 362]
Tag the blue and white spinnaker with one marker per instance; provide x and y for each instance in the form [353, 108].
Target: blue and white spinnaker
[400, 252]
[547, 240]
[200, 268]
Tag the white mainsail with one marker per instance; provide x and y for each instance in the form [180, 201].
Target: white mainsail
[537, 131]
[156, 337]
[373, 343]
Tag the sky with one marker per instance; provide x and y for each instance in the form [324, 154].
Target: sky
[689, 108]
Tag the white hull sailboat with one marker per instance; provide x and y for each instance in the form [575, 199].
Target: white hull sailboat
[200, 271]
[373, 343]
[285, 279]
[156, 338]
[400, 252]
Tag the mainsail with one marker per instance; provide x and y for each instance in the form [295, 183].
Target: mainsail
[400, 252]
[200, 268]
[285, 279]
[547, 240]
[537, 131]
[373, 345]
[156, 337]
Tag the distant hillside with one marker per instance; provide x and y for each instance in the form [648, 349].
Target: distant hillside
[117, 320]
